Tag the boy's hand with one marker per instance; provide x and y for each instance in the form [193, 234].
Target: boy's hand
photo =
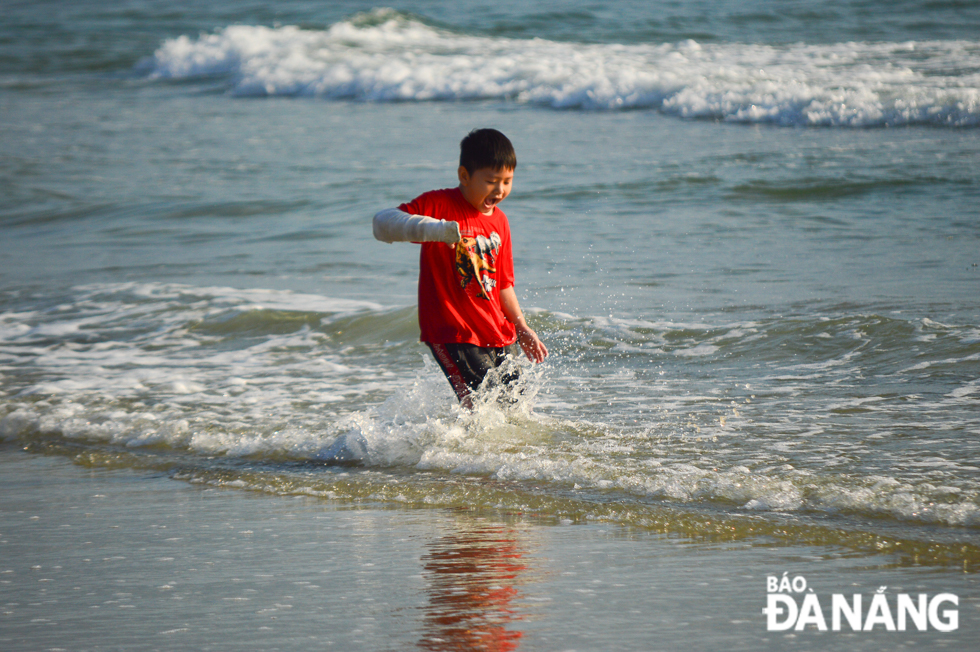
[532, 345]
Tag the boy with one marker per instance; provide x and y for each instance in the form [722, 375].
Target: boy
[468, 310]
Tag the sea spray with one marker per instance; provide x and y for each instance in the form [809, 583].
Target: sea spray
[302, 378]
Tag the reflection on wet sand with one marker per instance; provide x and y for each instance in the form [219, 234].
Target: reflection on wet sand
[472, 578]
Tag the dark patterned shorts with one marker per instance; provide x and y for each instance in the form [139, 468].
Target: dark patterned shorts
[467, 365]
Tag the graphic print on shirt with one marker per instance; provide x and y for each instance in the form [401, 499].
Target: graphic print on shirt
[475, 261]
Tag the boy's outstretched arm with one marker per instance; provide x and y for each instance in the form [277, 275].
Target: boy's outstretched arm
[533, 347]
[393, 225]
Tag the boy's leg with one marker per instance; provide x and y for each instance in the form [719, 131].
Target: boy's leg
[466, 365]
[506, 376]
[500, 356]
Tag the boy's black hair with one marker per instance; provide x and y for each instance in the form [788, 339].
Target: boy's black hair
[486, 148]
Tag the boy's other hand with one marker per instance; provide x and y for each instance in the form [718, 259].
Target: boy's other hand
[531, 344]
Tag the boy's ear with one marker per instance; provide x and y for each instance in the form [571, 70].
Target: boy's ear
[464, 175]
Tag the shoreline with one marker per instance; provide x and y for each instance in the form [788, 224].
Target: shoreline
[122, 559]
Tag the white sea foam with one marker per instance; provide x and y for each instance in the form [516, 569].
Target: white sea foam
[134, 364]
[220, 371]
[386, 56]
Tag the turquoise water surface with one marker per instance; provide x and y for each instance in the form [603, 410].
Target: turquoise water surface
[748, 235]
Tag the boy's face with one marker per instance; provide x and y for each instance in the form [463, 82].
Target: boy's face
[486, 187]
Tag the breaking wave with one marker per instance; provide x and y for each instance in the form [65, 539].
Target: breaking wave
[223, 377]
[386, 56]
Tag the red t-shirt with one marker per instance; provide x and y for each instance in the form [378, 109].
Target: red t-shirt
[459, 285]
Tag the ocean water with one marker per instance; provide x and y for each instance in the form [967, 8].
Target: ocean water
[748, 234]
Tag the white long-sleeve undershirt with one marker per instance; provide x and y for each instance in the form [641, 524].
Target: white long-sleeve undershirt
[394, 225]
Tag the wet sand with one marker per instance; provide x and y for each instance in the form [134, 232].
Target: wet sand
[100, 559]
